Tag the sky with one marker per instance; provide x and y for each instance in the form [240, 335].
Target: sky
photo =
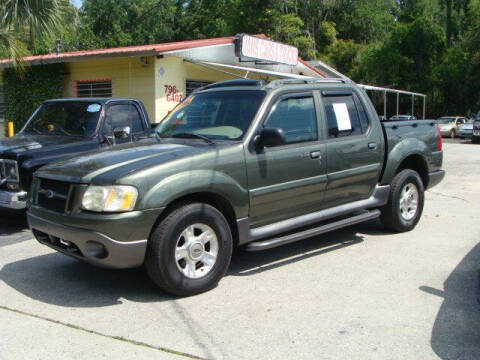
[77, 3]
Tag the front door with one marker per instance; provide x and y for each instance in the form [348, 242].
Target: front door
[355, 148]
[288, 180]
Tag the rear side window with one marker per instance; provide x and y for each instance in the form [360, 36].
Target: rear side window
[296, 117]
[343, 118]
[362, 114]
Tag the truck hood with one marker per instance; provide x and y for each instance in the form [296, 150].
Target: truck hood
[20, 144]
[110, 165]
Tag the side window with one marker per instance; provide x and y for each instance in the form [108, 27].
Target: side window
[136, 120]
[118, 116]
[123, 115]
[342, 116]
[296, 117]
[361, 113]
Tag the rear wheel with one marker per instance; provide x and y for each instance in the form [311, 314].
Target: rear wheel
[190, 250]
[405, 204]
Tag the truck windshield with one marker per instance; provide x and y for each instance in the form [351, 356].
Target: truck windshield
[214, 115]
[71, 118]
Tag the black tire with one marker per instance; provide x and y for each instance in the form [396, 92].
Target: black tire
[452, 134]
[160, 259]
[391, 216]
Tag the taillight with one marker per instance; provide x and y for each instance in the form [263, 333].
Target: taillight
[440, 143]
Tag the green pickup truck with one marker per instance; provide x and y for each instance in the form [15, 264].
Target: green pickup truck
[238, 163]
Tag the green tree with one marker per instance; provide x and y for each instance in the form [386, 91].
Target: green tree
[25, 21]
[199, 19]
[343, 56]
[113, 23]
[407, 58]
[290, 29]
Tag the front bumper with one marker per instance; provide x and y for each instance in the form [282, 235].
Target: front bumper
[13, 200]
[435, 177]
[93, 246]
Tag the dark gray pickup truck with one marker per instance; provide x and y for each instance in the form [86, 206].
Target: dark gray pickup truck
[237, 163]
[62, 128]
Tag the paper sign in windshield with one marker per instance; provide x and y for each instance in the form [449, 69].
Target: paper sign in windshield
[93, 108]
[343, 118]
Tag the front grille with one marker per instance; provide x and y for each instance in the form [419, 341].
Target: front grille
[2, 174]
[53, 194]
[8, 171]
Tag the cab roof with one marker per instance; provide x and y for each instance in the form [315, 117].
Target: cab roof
[102, 100]
[251, 84]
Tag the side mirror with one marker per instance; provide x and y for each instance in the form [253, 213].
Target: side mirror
[121, 132]
[269, 137]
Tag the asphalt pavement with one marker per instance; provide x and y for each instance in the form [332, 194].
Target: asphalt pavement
[358, 293]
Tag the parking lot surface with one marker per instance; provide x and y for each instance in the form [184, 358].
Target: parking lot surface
[358, 293]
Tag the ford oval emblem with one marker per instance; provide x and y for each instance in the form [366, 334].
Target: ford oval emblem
[49, 194]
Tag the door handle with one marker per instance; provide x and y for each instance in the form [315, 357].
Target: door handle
[372, 145]
[315, 155]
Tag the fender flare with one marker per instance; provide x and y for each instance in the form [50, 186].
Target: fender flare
[197, 181]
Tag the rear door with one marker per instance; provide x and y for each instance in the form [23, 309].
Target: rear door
[355, 147]
[288, 180]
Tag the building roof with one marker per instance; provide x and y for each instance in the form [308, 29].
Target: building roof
[140, 50]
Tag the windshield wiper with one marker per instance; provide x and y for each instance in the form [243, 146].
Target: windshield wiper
[193, 136]
[156, 136]
[65, 132]
[36, 131]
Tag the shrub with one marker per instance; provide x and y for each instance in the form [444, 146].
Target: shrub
[24, 92]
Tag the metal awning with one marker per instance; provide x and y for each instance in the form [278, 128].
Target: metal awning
[247, 70]
[385, 90]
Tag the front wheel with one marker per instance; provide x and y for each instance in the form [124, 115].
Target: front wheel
[190, 250]
[405, 205]
[452, 134]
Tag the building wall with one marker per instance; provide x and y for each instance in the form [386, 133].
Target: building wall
[129, 78]
[171, 74]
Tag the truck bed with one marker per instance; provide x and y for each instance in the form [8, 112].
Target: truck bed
[404, 139]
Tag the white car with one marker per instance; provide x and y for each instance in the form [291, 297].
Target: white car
[466, 130]
[450, 125]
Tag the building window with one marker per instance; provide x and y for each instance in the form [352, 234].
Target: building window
[192, 85]
[93, 88]
[2, 105]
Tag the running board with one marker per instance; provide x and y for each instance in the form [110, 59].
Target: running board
[287, 239]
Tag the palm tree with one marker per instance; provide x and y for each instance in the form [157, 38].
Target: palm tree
[24, 21]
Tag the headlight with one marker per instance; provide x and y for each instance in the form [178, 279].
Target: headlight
[10, 168]
[109, 198]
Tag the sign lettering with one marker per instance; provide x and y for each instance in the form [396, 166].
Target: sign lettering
[172, 93]
[266, 50]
